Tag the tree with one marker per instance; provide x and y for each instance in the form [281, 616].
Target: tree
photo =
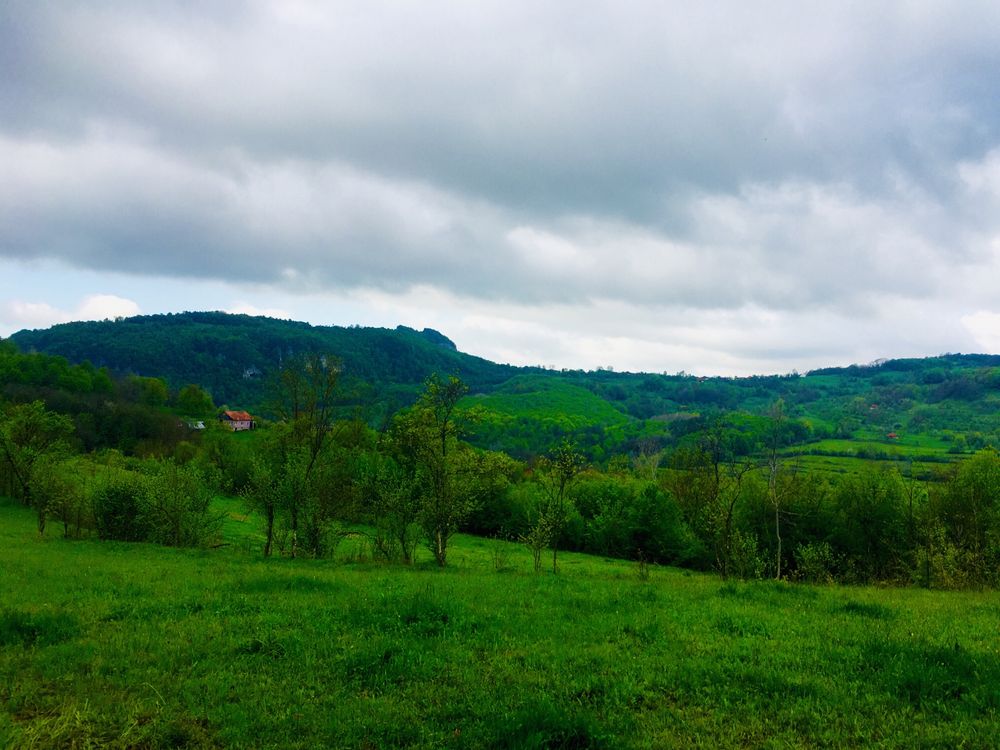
[148, 391]
[262, 493]
[194, 401]
[56, 491]
[871, 528]
[276, 486]
[968, 507]
[426, 438]
[178, 507]
[775, 486]
[61, 491]
[708, 482]
[303, 395]
[30, 433]
[394, 506]
[119, 505]
[556, 473]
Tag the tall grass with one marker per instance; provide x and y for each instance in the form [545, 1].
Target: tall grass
[124, 645]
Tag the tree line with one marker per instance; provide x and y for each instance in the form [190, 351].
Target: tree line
[713, 502]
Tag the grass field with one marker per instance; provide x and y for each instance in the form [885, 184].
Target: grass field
[925, 455]
[540, 398]
[115, 645]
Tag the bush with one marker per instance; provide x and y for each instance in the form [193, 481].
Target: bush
[815, 562]
[119, 508]
[746, 559]
[61, 493]
[177, 508]
[170, 506]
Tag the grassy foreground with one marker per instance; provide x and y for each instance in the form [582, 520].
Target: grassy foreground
[118, 645]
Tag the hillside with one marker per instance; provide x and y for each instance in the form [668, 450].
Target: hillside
[926, 410]
[233, 355]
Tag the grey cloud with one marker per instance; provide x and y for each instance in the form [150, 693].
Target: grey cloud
[594, 108]
[714, 156]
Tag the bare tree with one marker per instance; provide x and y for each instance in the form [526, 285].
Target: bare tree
[775, 491]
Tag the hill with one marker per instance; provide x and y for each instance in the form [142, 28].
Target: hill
[233, 355]
[926, 410]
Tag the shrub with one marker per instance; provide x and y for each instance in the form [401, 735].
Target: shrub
[177, 508]
[815, 562]
[119, 508]
[746, 561]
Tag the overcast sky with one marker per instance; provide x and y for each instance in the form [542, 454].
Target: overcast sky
[721, 188]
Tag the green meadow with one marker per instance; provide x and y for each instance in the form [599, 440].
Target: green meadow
[130, 645]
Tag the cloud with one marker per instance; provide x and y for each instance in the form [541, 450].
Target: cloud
[245, 308]
[105, 306]
[17, 314]
[747, 169]
[984, 326]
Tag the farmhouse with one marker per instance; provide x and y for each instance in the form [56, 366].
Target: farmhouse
[237, 420]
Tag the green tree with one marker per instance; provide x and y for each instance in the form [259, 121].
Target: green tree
[148, 391]
[303, 395]
[871, 524]
[119, 507]
[555, 474]
[263, 493]
[393, 504]
[707, 479]
[62, 487]
[775, 470]
[178, 507]
[195, 401]
[57, 491]
[426, 438]
[29, 434]
[968, 507]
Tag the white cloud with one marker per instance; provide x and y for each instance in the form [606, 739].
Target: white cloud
[16, 314]
[984, 326]
[33, 314]
[105, 306]
[245, 308]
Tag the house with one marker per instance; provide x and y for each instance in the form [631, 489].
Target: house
[237, 420]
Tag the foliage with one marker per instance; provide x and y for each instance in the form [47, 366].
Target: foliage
[875, 465]
[392, 505]
[555, 473]
[119, 507]
[195, 401]
[968, 508]
[156, 502]
[30, 434]
[815, 562]
[178, 509]
[426, 440]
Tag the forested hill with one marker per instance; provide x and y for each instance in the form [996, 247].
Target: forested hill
[935, 408]
[232, 355]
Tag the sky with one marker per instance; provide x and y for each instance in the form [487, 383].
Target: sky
[717, 187]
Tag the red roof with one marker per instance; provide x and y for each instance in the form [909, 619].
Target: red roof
[237, 416]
